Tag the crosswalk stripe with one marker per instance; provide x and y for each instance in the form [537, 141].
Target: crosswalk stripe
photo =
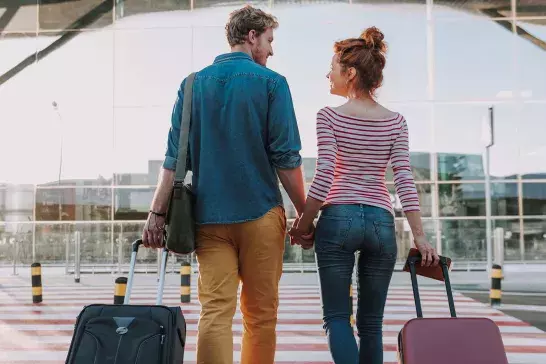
[41, 333]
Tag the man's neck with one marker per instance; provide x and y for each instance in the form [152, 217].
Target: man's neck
[242, 48]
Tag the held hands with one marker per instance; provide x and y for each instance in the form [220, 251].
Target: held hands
[302, 235]
[428, 253]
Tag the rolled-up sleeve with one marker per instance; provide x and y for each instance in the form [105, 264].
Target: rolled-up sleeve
[173, 138]
[284, 142]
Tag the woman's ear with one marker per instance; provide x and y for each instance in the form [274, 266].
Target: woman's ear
[351, 74]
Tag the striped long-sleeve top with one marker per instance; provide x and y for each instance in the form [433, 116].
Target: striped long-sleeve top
[353, 155]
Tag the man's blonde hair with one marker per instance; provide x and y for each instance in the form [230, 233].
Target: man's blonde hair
[243, 20]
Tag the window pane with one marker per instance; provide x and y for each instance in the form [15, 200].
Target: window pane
[461, 136]
[18, 16]
[535, 239]
[425, 199]
[534, 199]
[511, 233]
[75, 14]
[16, 202]
[463, 239]
[532, 153]
[74, 105]
[459, 63]
[149, 66]
[504, 199]
[73, 204]
[531, 56]
[404, 237]
[133, 204]
[462, 199]
[124, 236]
[96, 243]
[55, 243]
[135, 128]
[16, 243]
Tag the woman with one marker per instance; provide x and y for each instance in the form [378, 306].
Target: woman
[355, 143]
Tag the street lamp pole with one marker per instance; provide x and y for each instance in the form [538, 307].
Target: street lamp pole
[488, 233]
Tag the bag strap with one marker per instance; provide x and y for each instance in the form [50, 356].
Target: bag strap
[181, 163]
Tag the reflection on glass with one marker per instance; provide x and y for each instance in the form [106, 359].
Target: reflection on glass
[133, 203]
[462, 199]
[124, 236]
[16, 243]
[511, 234]
[16, 202]
[75, 14]
[55, 243]
[425, 200]
[73, 204]
[96, 242]
[532, 153]
[420, 167]
[463, 239]
[149, 66]
[504, 199]
[535, 239]
[531, 55]
[488, 58]
[404, 237]
[18, 16]
[534, 199]
[460, 167]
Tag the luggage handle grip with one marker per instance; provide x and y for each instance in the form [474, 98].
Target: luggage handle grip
[412, 261]
[165, 255]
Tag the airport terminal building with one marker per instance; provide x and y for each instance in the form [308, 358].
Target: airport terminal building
[87, 88]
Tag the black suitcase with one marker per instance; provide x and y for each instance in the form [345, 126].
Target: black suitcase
[135, 334]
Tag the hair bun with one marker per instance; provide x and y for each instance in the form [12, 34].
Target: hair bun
[374, 39]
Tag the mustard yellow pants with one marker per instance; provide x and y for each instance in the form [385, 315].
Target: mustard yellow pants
[250, 253]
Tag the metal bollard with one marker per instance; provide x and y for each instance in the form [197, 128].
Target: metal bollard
[77, 257]
[495, 293]
[185, 282]
[119, 291]
[351, 298]
[36, 276]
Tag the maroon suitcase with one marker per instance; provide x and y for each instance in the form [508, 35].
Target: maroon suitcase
[449, 340]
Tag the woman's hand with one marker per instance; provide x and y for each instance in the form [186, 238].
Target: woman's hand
[302, 235]
[429, 257]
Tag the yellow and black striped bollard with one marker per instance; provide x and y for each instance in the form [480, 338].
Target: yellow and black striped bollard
[119, 291]
[185, 282]
[495, 293]
[36, 273]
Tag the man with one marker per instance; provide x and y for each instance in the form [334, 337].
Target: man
[243, 135]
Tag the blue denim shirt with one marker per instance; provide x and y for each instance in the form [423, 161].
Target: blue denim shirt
[243, 127]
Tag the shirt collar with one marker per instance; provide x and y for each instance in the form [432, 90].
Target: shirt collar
[232, 56]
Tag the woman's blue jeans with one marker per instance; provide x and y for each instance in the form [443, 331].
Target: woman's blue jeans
[342, 231]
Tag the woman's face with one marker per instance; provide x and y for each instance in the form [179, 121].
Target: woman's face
[338, 80]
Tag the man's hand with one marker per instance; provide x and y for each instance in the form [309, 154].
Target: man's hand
[153, 232]
[305, 239]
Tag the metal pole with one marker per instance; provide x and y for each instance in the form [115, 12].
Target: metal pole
[488, 231]
[67, 253]
[77, 257]
[15, 255]
[498, 238]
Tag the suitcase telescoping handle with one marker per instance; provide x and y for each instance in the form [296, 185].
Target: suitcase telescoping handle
[164, 256]
[412, 261]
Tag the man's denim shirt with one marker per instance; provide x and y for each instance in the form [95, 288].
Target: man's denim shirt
[243, 127]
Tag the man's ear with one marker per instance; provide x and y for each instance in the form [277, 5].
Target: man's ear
[252, 37]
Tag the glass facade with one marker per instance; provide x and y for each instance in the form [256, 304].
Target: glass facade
[87, 88]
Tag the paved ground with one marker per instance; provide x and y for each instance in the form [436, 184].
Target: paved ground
[40, 334]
